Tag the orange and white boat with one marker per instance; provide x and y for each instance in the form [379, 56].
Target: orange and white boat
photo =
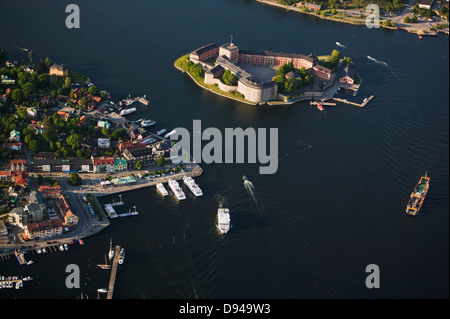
[320, 107]
[418, 196]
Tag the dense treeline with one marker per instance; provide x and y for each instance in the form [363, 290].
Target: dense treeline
[299, 78]
[385, 5]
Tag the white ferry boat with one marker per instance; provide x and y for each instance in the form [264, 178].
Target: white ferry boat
[176, 189]
[147, 123]
[121, 256]
[128, 111]
[190, 183]
[170, 134]
[223, 220]
[160, 132]
[160, 187]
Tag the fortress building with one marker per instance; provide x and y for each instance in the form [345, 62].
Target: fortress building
[230, 57]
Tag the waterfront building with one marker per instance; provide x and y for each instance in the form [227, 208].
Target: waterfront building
[58, 70]
[310, 6]
[42, 230]
[51, 164]
[349, 75]
[204, 53]
[103, 164]
[120, 164]
[322, 72]
[231, 57]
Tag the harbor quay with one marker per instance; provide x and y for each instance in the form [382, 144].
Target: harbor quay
[89, 225]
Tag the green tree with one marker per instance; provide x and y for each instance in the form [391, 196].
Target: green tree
[161, 161]
[74, 179]
[31, 55]
[74, 141]
[34, 145]
[139, 165]
[229, 78]
[17, 95]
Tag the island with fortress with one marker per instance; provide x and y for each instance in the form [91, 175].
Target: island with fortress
[266, 77]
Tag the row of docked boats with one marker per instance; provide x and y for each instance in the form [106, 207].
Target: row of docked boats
[13, 281]
[176, 189]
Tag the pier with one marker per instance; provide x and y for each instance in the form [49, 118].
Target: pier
[364, 103]
[322, 103]
[112, 278]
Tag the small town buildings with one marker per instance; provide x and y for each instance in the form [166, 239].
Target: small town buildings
[20, 178]
[42, 230]
[66, 211]
[6, 80]
[38, 128]
[310, 6]
[14, 136]
[104, 142]
[15, 217]
[5, 176]
[13, 146]
[426, 4]
[58, 70]
[32, 112]
[41, 164]
[3, 229]
[120, 165]
[103, 124]
[50, 192]
[18, 165]
[103, 164]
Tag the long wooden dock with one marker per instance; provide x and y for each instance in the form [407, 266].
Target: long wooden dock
[364, 103]
[112, 278]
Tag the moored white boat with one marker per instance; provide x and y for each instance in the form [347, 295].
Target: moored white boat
[160, 187]
[122, 256]
[127, 111]
[193, 187]
[160, 132]
[176, 189]
[147, 123]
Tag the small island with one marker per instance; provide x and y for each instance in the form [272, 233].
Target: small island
[265, 77]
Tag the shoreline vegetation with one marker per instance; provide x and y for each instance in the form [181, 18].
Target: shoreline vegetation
[395, 16]
[181, 65]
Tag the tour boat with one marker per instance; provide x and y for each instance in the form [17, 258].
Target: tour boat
[418, 196]
[223, 220]
[66, 247]
[170, 133]
[102, 290]
[320, 107]
[193, 187]
[160, 132]
[245, 178]
[176, 189]
[147, 123]
[128, 111]
[160, 187]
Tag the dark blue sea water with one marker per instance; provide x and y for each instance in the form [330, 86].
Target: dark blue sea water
[337, 201]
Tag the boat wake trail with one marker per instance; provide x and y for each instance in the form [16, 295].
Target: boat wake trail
[341, 45]
[384, 64]
[252, 192]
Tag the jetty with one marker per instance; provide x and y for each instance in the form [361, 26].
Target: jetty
[112, 278]
[20, 258]
[322, 103]
[364, 103]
